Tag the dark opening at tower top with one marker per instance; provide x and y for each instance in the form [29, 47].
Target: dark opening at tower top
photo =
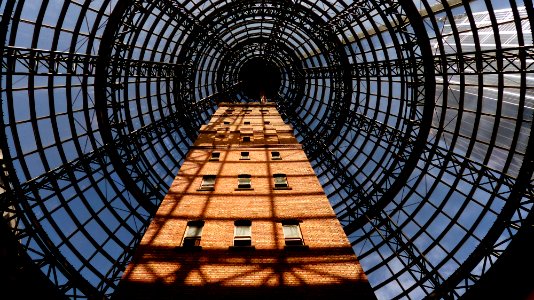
[259, 77]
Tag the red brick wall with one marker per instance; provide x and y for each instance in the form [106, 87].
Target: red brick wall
[325, 267]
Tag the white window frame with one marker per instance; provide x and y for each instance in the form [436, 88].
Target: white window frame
[292, 233]
[242, 233]
[244, 181]
[280, 181]
[193, 234]
[244, 157]
[215, 155]
[208, 182]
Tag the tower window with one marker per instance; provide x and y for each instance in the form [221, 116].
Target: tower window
[215, 155]
[280, 181]
[208, 182]
[193, 233]
[242, 233]
[244, 156]
[292, 234]
[267, 122]
[246, 139]
[226, 123]
[275, 155]
[247, 122]
[243, 181]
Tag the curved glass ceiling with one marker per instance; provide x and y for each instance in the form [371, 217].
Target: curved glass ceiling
[416, 116]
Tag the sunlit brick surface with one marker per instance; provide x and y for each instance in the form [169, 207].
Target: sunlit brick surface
[324, 267]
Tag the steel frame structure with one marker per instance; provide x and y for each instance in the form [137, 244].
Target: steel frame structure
[416, 116]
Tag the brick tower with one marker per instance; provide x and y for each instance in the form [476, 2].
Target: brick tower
[246, 217]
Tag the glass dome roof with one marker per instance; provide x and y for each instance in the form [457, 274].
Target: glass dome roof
[416, 116]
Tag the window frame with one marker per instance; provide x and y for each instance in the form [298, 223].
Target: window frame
[244, 182]
[190, 241]
[216, 157]
[243, 240]
[205, 185]
[282, 181]
[292, 241]
[273, 157]
[244, 157]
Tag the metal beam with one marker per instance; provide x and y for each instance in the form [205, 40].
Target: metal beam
[175, 8]
[519, 193]
[381, 222]
[436, 8]
[33, 239]
[351, 13]
[29, 228]
[391, 68]
[24, 61]
[465, 63]
[485, 62]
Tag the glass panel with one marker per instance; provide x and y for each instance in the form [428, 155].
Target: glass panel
[291, 231]
[243, 183]
[208, 181]
[243, 231]
[193, 231]
[280, 180]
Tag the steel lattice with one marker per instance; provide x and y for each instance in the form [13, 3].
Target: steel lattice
[416, 116]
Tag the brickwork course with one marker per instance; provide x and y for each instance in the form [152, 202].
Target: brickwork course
[324, 266]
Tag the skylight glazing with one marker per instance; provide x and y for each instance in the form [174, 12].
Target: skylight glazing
[416, 116]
